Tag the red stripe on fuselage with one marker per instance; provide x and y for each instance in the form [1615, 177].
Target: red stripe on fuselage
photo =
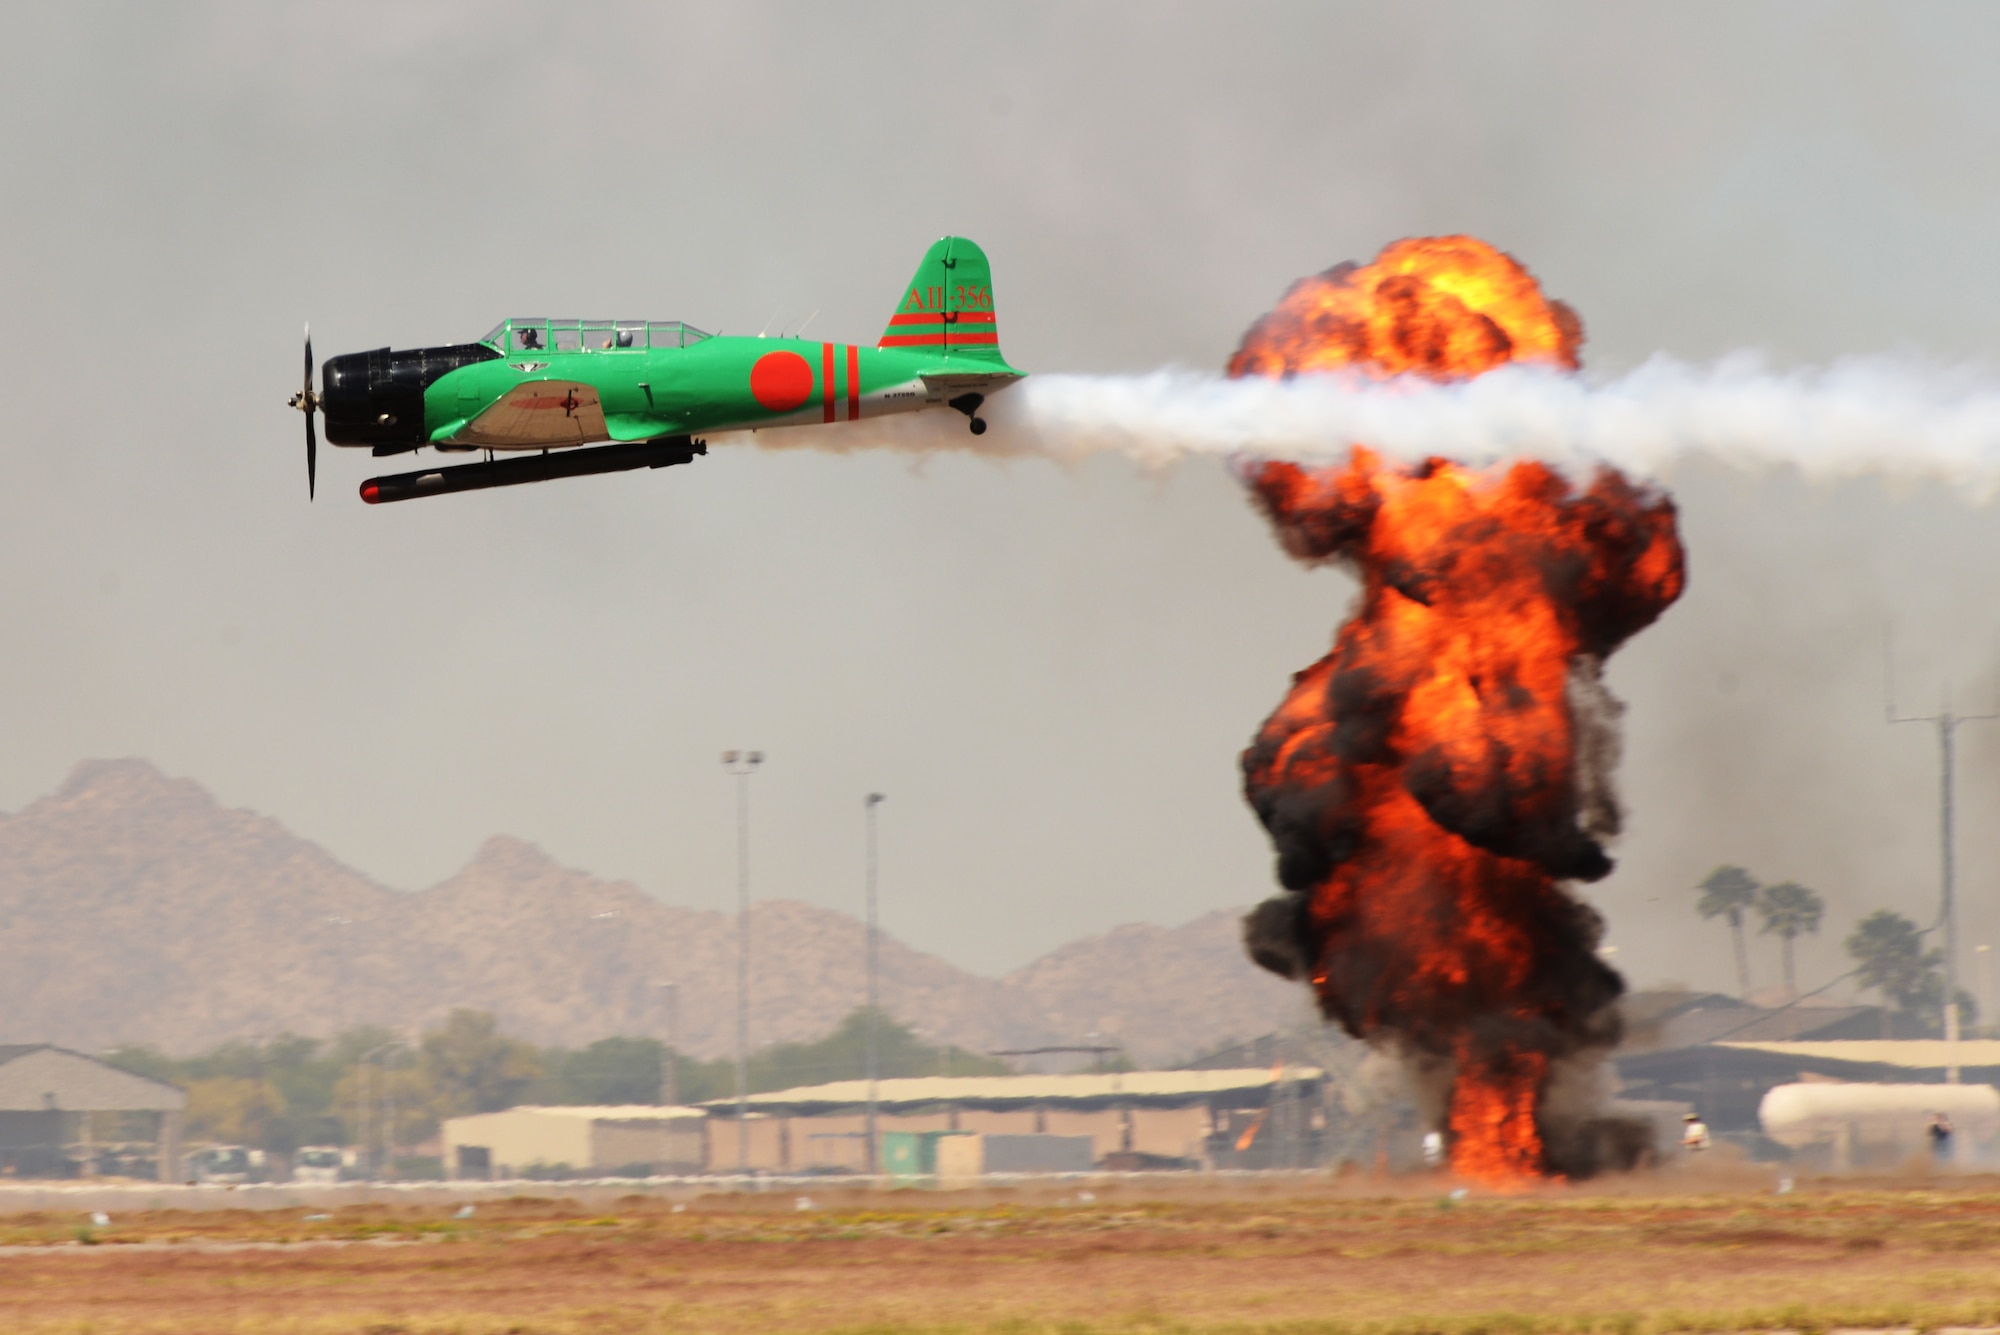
[853, 383]
[826, 379]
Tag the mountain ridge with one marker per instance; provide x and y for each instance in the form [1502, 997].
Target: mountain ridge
[134, 907]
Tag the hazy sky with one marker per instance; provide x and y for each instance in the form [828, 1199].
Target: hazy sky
[1049, 672]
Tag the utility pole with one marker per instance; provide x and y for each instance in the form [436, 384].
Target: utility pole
[1984, 954]
[868, 805]
[1947, 732]
[740, 765]
[670, 1061]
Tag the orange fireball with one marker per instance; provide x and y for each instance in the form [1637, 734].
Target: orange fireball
[1444, 306]
[1433, 779]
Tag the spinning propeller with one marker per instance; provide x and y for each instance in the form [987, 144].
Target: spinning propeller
[307, 402]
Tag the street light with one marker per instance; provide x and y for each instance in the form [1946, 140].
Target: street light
[670, 1063]
[740, 765]
[868, 806]
[388, 1113]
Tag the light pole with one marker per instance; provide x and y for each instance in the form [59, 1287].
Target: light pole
[740, 765]
[670, 1063]
[868, 805]
[388, 1106]
[1984, 954]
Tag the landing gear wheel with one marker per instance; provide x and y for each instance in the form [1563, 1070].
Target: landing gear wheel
[969, 405]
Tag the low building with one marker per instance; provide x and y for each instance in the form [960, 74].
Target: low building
[625, 1140]
[65, 1114]
[1133, 1118]
[1655, 1021]
[1726, 1082]
[969, 1154]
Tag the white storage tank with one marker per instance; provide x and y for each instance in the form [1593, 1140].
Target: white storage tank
[1878, 1123]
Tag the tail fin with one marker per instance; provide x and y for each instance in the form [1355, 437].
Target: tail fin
[949, 306]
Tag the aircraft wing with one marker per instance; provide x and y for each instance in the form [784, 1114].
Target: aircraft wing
[537, 414]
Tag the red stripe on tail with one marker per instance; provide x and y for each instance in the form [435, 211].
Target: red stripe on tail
[853, 383]
[935, 319]
[826, 379]
[936, 340]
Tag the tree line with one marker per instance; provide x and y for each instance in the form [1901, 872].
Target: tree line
[1888, 949]
[375, 1086]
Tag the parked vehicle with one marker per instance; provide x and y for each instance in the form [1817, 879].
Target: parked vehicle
[229, 1165]
[322, 1165]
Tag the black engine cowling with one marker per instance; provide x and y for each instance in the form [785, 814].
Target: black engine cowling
[377, 398]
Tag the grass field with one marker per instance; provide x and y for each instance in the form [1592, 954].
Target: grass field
[1639, 1256]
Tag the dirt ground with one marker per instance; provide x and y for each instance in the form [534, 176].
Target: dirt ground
[1311, 1255]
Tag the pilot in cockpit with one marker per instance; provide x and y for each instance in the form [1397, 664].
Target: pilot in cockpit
[530, 339]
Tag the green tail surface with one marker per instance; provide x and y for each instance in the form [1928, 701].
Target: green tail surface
[949, 306]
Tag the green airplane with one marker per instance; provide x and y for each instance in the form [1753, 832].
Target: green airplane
[649, 387]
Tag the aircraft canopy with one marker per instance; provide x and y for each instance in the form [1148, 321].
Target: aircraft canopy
[533, 334]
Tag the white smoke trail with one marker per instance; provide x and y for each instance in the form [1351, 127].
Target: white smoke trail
[1884, 416]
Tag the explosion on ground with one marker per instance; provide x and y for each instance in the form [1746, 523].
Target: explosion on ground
[1433, 782]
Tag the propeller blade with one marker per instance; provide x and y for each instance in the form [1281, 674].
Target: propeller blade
[312, 436]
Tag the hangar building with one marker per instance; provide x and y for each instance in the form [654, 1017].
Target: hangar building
[64, 1114]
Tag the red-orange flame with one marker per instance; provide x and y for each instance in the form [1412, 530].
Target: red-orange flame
[1429, 782]
[1443, 306]
[1492, 1117]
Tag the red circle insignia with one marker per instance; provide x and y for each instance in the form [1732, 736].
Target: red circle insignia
[781, 381]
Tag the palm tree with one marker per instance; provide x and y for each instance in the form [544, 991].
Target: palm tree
[1890, 951]
[1726, 893]
[1790, 910]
